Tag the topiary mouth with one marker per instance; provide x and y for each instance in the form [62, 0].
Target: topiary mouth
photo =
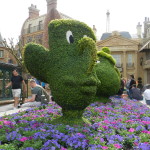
[88, 90]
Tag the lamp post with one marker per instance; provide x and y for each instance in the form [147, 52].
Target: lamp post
[141, 61]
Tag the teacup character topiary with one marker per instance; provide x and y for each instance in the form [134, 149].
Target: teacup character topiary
[108, 74]
[68, 66]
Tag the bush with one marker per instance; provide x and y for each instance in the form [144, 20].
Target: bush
[107, 73]
[68, 65]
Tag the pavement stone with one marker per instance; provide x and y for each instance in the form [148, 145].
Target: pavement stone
[9, 109]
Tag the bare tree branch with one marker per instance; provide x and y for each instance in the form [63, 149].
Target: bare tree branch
[16, 51]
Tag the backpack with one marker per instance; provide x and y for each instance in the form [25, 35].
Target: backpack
[45, 98]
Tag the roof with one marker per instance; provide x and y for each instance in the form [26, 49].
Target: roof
[34, 23]
[144, 46]
[124, 34]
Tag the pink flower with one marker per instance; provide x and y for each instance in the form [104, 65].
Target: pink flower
[131, 130]
[106, 121]
[148, 132]
[7, 122]
[23, 139]
[135, 143]
[105, 127]
[63, 148]
[1, 126]
[104, 147]
[146, 122]
[117, 146]
[85, 131]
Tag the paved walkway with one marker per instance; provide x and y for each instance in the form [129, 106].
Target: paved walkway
[9, 109]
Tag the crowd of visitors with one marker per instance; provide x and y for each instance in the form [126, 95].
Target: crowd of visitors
[41, 96]
[134, 91]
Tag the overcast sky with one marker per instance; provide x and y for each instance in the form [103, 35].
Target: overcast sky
[124, 14]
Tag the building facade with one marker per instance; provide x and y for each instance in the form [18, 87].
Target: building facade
[35, 27]
[125, 51]
[5, 56]
[146, 50]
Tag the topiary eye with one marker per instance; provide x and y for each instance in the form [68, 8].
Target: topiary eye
[97, 61]
[69, 37]
[85, 36]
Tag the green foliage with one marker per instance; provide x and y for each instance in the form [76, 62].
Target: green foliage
[35, 59]
[106, 50]
[7, 147]
[107, 56]
[108, 74]
[71, 117]
[68, 65]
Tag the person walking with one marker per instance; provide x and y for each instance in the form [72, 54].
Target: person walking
[132, 81]
[16, 83]
[146, 95]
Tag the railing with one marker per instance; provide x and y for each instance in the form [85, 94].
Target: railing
[146, 64]
[130, 65]
[33, 29]
[119, 65]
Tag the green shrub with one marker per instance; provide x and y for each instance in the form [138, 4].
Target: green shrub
[68, 65]
[106, 50]
[108, 74]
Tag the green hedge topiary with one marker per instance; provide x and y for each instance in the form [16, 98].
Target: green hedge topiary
[106, 50]
[107, 73]
[68, 65]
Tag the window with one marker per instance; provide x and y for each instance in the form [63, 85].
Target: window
[117, 57]
[10, 61]
[29, 28]
[147, 55]
[40, 25]
[129, 60]
[1, 53]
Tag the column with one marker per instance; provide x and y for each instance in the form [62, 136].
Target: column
[124, 65]
[135, 65]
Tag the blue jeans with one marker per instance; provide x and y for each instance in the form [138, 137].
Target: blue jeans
[147, 102]
[130, 93]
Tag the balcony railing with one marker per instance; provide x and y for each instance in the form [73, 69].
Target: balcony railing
[33, 29]
[130, 65]
[146, 64]
[118, 65]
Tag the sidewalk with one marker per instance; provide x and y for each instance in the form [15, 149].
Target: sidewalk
[9, 109]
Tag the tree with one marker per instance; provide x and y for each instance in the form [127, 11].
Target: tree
[16, 51]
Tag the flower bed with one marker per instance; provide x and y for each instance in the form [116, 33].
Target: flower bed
[121, 124]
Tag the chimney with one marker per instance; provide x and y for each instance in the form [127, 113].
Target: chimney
[51, 4]
[94, 29]
[139, 30]
[33, 11]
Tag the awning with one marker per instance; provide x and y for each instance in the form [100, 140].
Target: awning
[144, 46]
[8, 66]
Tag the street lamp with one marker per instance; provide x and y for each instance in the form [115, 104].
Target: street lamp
[141, 61]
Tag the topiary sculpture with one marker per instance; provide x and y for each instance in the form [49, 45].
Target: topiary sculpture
[108, 74]
[68, 66]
